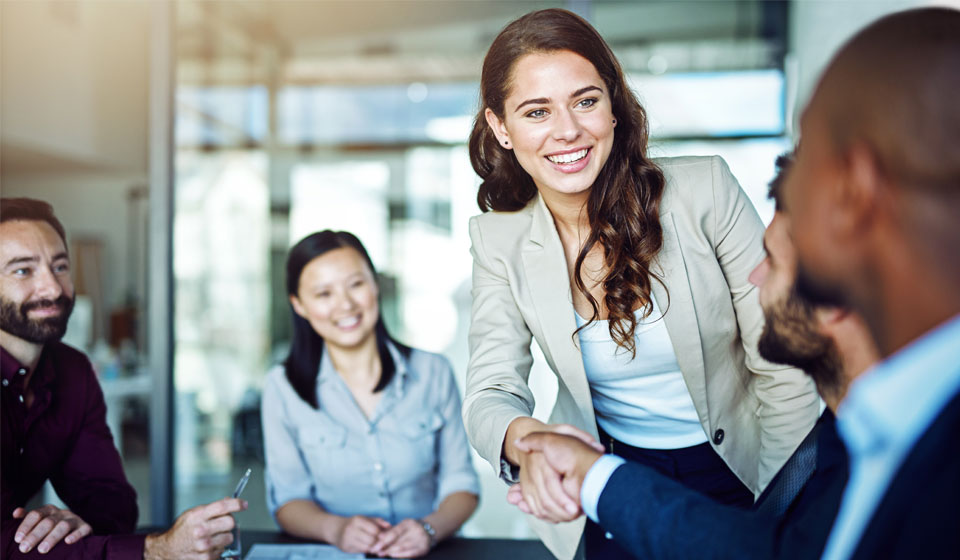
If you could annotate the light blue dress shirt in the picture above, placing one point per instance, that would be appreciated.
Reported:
(399, 464)
(884, 414)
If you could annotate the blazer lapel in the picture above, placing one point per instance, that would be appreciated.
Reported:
(681, 315)
(546, 271)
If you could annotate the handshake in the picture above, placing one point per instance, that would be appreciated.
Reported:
(553, 461)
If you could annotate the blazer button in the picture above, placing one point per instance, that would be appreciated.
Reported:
(718, 437)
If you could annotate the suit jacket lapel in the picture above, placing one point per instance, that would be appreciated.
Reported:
(681, 315)
(546, 271)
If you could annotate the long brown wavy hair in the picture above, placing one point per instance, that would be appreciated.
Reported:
(623, 206)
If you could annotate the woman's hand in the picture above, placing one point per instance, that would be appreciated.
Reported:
(358, 534)
(407, 539)
(540, 484)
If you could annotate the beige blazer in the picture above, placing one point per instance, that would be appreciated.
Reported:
(712, 239)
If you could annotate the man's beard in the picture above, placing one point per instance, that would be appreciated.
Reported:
(790, 337)
(14, 319)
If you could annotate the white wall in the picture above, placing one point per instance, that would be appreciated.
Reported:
(74, 80)
(818, 28)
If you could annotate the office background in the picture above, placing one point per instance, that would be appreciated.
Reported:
(186, 145)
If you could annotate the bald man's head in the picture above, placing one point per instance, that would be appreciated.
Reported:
(896, 87)
(874, 192)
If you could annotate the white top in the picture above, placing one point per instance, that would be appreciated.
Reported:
(641, 401)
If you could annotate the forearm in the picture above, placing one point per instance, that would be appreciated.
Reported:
(453, 511)
(305, 519)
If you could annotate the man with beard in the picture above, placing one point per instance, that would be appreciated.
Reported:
(54, 419)
(655, 517)
(874, 199)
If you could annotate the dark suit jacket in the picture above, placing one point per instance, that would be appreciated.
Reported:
(654, 517)
(919, 516)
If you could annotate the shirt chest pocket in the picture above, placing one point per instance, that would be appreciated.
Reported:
(420, 435)
(324, 451)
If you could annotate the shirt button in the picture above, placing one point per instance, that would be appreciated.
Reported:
(21, 398)
(378, 467)
(718, 437)
(22, 371)
(21, 451)
(5, 382)
(608, 535)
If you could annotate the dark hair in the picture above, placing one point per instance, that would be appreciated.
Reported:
(624, 205)
(303, 361)
(33, 210)
(775, 188)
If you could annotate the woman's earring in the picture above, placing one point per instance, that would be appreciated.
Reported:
(614, 122)
(506, 143)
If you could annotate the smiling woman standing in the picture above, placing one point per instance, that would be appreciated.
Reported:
(630, 273)
(364, 442)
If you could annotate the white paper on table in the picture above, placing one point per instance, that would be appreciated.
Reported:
(299, 552)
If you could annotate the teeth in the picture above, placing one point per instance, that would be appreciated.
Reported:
(568, 158)
(348, 322)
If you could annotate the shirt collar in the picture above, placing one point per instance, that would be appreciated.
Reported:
(897, 400)
(12, 369)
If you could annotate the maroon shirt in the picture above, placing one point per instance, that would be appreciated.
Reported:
(64, 437)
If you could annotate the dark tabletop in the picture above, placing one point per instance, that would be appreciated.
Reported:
(455, 548)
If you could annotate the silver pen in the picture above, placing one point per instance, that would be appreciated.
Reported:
(242, 484)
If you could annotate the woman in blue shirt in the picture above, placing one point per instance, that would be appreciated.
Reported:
(365, 447)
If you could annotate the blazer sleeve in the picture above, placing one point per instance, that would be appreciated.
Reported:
(500, 359)
(789, 405)
(655, 517)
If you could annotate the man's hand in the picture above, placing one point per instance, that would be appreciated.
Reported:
(48, 525)
(358, 534)
(407, 539)
(540, 483)
(200, 533)
(567, 455)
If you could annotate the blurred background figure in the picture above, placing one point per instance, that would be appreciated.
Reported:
(364, 442)
(188, 145)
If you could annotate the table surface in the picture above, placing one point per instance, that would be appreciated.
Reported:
(455, 548)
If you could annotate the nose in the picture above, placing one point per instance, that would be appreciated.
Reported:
(47, 284)
(759, 274)
(345, 301)
(566, 126)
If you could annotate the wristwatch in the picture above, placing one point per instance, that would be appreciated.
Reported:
(431, 532)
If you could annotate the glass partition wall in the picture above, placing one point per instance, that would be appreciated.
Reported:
(283, 130)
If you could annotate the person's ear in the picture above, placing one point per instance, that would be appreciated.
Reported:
(297, 306)
(499, 129)
(861, 189)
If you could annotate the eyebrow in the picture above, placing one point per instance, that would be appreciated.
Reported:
(544, 100)
(21, 260)
(30, 260)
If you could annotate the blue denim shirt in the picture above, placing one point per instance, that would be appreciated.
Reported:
(399, 464)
